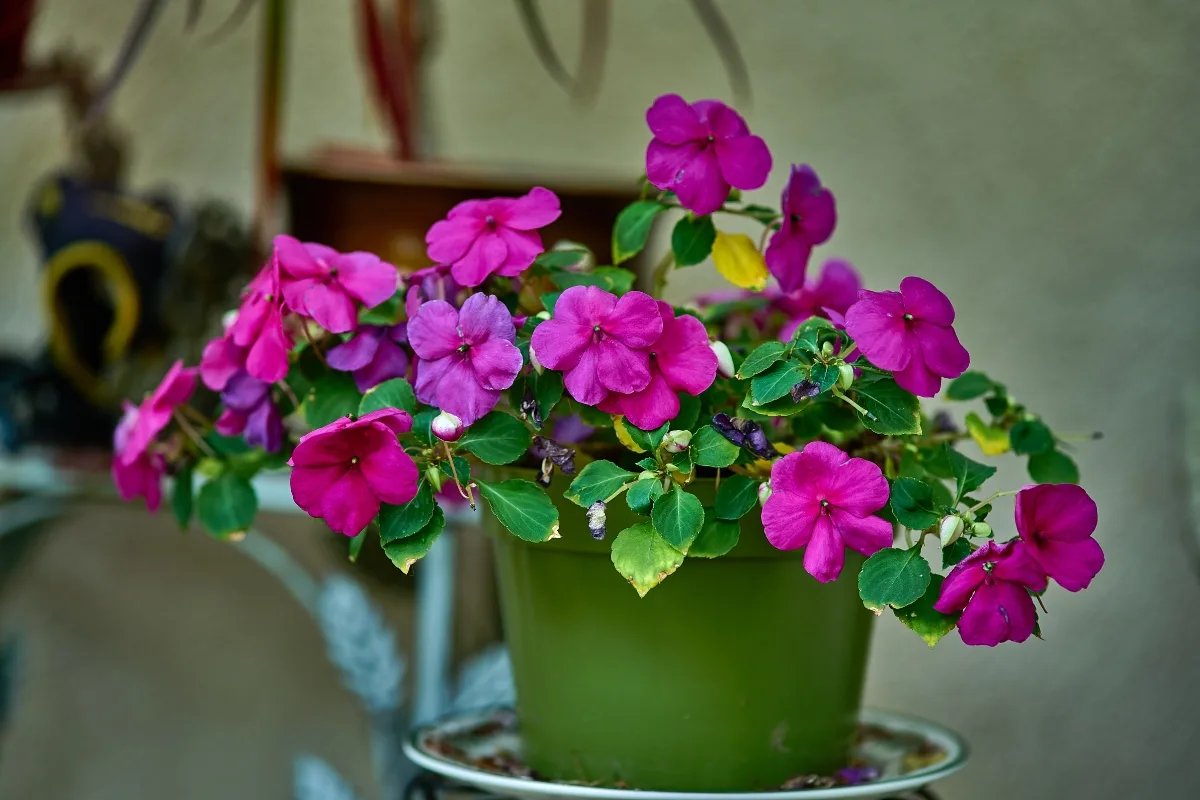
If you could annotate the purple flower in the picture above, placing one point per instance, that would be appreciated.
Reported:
(700, 150)
(374, 354)
(220, 361)
(680, 361)
(829, 296)
(809, 216)
(325, 285)
(466, 357)
(596, 340)
(824, 501)
(499, 236)
(909, 333)
(992, 585)
(250, 411)
(1056, 522)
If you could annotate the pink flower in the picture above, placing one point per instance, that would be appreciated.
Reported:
(700, 150)
(374, 355)
(680, 361)
(809, 216)
(466, 357)
(909, 333)
(220, 361)
(1056, 522)
(596, 341)
(137, 471)
(342, 472)
(250, 411)
(499, 236)
(829, 296)
(993, 585)
(321, 283)
(259, 327)
(825, 501)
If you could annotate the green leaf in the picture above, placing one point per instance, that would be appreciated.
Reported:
(560, 259)
(547, 390)
(421, 423)
(395, 393)
(912, 504)
(692, 240)
(824, 375)
(523, 508)
(1053, 467)
(736, 496)
(461, 466)
(356, 546)
(632, 228)
(992, 440)
(678, 516)
(998, 405)
(643, 557)
(397, 522)
(226, 505)
(968, 386)
(895, 412)
(763, 357)
(181, 496)
(1031, 436)
(893, 577)
(332, 396)
(642, 495)
(761, 213)
(620, 279)
(411, 549)
(689, 412)
(549, 301)
(968, 475)
(386, 313)
(956, 552)
(776, 382)
(496, 439)
(647, 440)
(921, 618)
(711, 449)
(599, 480)
(717, 536)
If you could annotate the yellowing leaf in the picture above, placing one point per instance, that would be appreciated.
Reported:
(623, 435)
(762, 466)
(991, 440)
(738, 261)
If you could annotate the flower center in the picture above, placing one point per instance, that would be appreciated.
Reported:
(490, 222)
(464, 347)
(824, 504)
(711, 138)
(354, 460)
(908, 317)
(794, 219)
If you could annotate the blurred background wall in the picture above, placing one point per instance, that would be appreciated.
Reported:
(1037, 161)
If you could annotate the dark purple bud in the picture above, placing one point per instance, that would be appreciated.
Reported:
(744, 433)
(595, 519)
(944, 423)
(758, 443)
(555, 453)
(529, 408)
(803, 389)
(726, 427)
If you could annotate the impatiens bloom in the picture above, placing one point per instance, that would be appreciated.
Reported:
(220, 361)
(342, 472)
(259, 326)
(909, 333)
(249, 410)
(700, 150)
(829, 296)
(325, 285)
(1057, 521)
(992, 585)
(825, 501)
(137, 471)
(596, 341)
(466, 357)
(374, 354)
(499, 236)
(809, 216)
(680, 361)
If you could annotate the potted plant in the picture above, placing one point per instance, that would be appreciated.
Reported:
(764, 454)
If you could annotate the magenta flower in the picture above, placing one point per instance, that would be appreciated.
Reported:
(250, 412)
(259, 329)
(809, 217)
(1056, 522)
(681, 360)
(325, 285)
(909, 333)
(992, 585)
(466, 357)
(136, 470)
(701, 150)
(825, 501)
(829, 296)
(374, 355)
(596, 341)
(342, 472)
(499, 236)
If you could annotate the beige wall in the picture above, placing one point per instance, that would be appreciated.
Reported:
(1036, 160)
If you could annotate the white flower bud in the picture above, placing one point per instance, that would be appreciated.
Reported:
(447, 427)
(950, 529)
(676, 441)
(542, 315)
(764, 493)
(724, 359)
(435, 477)
(228, 318)
(981, 529)
(845, 376)
(533, 360)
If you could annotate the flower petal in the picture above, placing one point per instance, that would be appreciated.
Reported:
(857, 486)
(924, 301)
(621, 369)
(683, 355)
(230, 423)
(397, 420)
(264, 427)
(1055, 511)
(787, 257)
(295, 260)
(666, 162)
(959, 585)
(876, 323)
(483, 317)
(587, 306)
(582, 381)
(433, 331)
(745, 161)
(825, 554)
(366, 278)
(536, 209)
(984, 622)
(332, 309)
(348, 504)
(673, 121)
(649, 408)
(390, 472)
(448, 240)
(1071, 564)
(390, 361)
(220, 361)
(483, 257)
(309, 484)
(268, 357)
(788, 518)
(837, 286)
(720, 120)
(635, 320)
(356, 352)
(496, 363)
(866, 535)
(943, 354)
(917, 378)
(818, 216)
(523, 248)
(699, 185)
(559, 345)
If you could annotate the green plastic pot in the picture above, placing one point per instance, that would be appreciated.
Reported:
(734, 674)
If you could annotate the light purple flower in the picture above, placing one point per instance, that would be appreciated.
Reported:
(909, 334)
(467, 357)
(325, 285)
(596, 341)
(373, 354)
(250, 412)
(680, 361)
(809, 217)
(1056, 522)
(701, 150)
(829, 296)
(825, 501)
(499, 236)
(992, 585)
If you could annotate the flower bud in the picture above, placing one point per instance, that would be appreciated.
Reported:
(950, 529)
(845, 376)
(542, 315)
(647, 475)
(764, 493)
(981, 529)
(435, 477)
(596, 519)
(447, 427)
(803, 390)
(724, 359)
(676, 441)
(533, 360)
(827, 349)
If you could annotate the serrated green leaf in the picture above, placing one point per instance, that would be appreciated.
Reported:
(1053, 467)
(893, 577)
(642, 495)
(736, 495)
(912, 504)
(631, 230)
(523, 508)
(599, 480)
(923, 619)
(717, 536)
(969, 386)
(395, 393)
(956, 552)
(647, 440)
(547, 391)
(397, 522)
(181, 496)
(643, 557)
(226, 505)
(497, 439)
(411, 549)
(1031, 436)
(968, 475)
(894, 411)
(561, 259)
(692, 240)
(332, 396)
(762, 359)
(711, 449)
(421, 425)
(992, 440)
(678, 516)
(549, 301)
(775, 383)
(689, 413)
(824, 375)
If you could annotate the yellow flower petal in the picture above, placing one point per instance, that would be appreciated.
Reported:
(738, 260)
(991, 440)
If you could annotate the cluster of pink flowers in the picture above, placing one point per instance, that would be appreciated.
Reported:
(137, 468)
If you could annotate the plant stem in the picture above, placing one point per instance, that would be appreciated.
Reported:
(996, 496)
(852, 404)
(193, 434)
(908, 538)
(659, 280)
(313, 344)
(454, 472)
